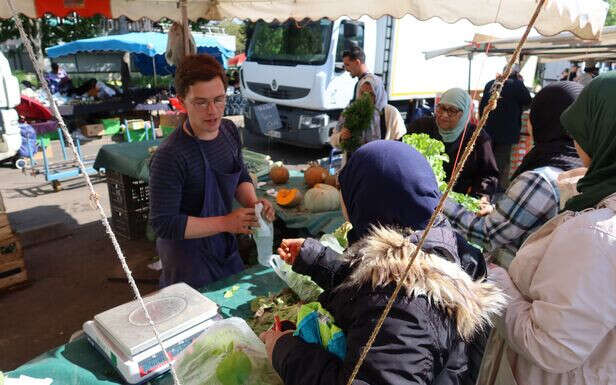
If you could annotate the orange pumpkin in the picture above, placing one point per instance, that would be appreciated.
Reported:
(288, 197)
(331, 180)
(314, 174)
(279, 174)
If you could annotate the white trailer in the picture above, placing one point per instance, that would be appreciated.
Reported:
(10, 135)
(296, 86)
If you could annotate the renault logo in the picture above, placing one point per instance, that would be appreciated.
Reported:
(274, 85)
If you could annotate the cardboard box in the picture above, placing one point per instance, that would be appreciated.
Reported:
(93, 129)
(171, 120)
(135, 124)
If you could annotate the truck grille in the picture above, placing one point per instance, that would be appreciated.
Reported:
(283, 92)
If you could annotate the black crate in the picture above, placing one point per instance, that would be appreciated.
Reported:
(129, 224)
(127, 193)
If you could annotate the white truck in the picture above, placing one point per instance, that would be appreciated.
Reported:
(10, 97)
(296, 85)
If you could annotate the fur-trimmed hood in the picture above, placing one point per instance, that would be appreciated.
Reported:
(380, 259)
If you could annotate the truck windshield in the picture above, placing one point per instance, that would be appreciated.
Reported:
(290, 42)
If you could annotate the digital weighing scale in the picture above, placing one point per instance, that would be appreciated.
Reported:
(125, 338)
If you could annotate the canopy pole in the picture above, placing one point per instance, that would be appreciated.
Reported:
(495, 94)
(470, 67)
(184, 10)
(154, 70)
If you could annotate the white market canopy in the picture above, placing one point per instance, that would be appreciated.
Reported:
(583, 18)
(564, 46)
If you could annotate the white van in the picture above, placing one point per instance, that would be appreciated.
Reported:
(10, 135)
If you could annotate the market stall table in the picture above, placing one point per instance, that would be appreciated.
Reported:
(132, 159)
(78, 363)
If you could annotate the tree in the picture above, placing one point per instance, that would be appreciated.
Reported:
(611, 14)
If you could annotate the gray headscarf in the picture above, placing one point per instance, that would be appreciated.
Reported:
(380, 102)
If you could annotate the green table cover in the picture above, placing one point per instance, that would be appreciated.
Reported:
(78, 363)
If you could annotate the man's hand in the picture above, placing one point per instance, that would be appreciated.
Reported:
(241, 221)
(345, 134)
(268, 210)
(289, 249)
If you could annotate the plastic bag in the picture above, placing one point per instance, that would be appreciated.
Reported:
(227, 353)
(264, 237)
(302, 285)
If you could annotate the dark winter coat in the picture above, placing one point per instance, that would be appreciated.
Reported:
(424, 338)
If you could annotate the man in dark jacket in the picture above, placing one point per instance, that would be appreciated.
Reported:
(505, 122)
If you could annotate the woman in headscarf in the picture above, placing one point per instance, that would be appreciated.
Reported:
(444, 301)
(560, 325)
(387, 123)
(451, 125)
(533, 197)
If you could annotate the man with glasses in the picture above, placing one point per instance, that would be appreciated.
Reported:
(195, 175)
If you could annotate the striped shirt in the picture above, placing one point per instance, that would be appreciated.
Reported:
(530, 201)
(177, 177)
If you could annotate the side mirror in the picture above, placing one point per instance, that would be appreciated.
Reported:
(338, 67)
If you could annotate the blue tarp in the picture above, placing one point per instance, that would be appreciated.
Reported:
(144, 46)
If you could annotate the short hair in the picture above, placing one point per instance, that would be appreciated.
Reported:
(355, 53)
(197, 68)
(54, 66)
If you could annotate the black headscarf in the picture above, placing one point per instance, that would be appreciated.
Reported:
(388, 183)
(553, 145)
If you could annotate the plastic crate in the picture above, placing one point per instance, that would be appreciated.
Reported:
(112, 126)
(129, 224)
(127, 193)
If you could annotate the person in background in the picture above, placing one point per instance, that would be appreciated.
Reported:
(533, 196)
(354, 62)
(505, 122)
(590, 72)
(573, 72)
(58, 79)
(560, 324)
(565, 75)
(442, 305)
(387, 122)
(195, 175)
(451, 125)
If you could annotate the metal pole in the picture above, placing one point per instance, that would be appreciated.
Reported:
(154, 70)
(470, 67)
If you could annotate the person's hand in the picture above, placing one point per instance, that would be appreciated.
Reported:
(241, 221)
(485, 207)
(268, 210)
(345, 134)
(289, 249)
(269, 338)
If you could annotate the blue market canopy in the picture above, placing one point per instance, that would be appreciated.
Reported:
(144, 46)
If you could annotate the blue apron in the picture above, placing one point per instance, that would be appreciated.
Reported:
(201, 261)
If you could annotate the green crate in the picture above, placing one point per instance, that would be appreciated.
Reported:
(112, 126)
(47, 137)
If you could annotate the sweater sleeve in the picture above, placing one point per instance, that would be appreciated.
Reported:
(322, 264)
(166, 183)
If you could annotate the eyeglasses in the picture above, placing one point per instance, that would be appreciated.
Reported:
(451, 111)
(204, 104)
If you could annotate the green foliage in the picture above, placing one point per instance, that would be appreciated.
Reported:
(235, 367)
(357, 118)
(434, 151)
(341, 234)
(611, 14)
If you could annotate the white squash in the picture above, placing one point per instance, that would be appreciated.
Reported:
(322, 197)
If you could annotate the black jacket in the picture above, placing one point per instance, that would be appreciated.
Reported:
(421, 342)
(480, 174)
(505, 122)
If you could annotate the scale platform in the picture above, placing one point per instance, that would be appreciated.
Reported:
(124, 337)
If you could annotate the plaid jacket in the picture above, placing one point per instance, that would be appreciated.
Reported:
(531, 200)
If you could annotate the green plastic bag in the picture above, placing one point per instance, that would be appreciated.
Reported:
(227, 353)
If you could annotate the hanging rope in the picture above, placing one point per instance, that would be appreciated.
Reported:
(496, 90)
(94, 197)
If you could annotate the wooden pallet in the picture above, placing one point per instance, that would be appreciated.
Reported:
(12, 267)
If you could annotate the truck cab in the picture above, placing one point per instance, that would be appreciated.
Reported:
(10, 135)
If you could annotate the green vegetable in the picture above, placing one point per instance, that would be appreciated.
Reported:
(341, 234)
(285, 305)
(235, 367)
(357, 118)
(434, 151)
